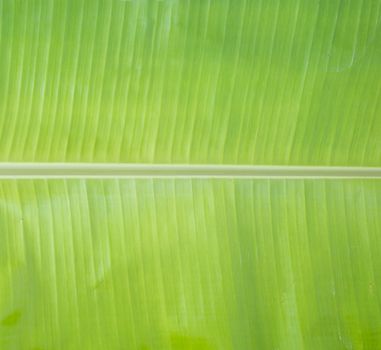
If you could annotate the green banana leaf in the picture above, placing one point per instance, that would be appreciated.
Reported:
(190, 264)
(185, 263)
(191, 81)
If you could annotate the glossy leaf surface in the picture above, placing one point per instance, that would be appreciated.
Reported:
(190, 264)
(237, 82)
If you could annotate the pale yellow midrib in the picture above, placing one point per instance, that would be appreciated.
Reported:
(91, 170)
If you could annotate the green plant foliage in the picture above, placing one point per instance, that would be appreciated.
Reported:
(190, 264)
(236, 82)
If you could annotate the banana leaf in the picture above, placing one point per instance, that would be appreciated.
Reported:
(285, 82)
(190, 264)
(185, 263)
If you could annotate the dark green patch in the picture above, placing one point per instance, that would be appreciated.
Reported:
(11, 319)
(185, 342)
